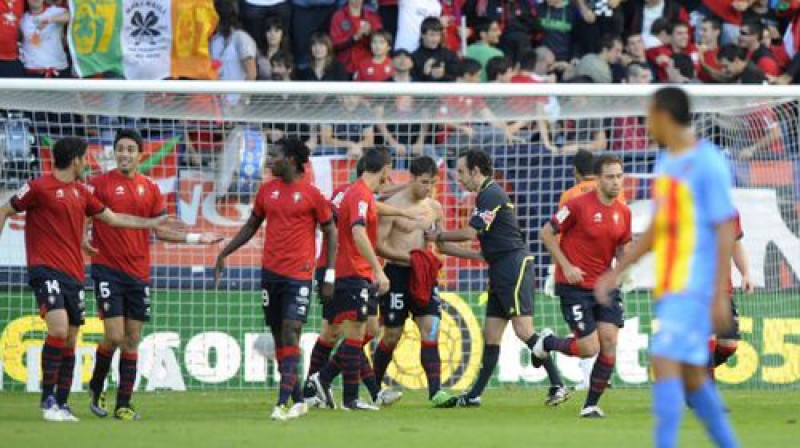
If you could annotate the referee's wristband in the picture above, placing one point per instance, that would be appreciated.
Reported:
(330, 276)
(192, 238)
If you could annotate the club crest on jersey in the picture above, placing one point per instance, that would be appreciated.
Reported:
(119, 191)
(616, 218)
(297, 196)
(598, 217)
(275, 194)
(75, 192)
(59, 194)
(140, 190)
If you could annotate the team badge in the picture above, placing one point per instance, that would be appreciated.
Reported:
(140, 189)
(598, 217)
(51, 300)
(59, 194)
(297, 197)
(275, 194)
(120, 190)
(75, 192)
(616, 218)
(562, 214)
(487, 216)
(304, 291)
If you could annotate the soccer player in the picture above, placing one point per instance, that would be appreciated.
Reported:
(400, 239)
(692, 237)
(293, 208)
(511, 282)
(330, 331)
(357, 269)
(56, 207)
(725, 344)
(594, 229)
(121, 269)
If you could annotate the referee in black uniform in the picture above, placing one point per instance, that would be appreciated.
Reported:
(511, 279)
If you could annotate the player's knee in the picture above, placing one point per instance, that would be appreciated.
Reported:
(58, 331)
(391, 336)
(330, 334)
(115, 339)
(130, 343)
(290, 336)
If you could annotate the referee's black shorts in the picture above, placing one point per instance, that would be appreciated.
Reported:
(511, 286)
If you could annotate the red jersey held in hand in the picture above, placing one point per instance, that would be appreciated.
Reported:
(55, 222)
(358, 207)
(126, 250)
(591, 232)
(292, 212)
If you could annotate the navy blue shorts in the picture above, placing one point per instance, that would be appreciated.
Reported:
(55, 290)
(354, 299)
(511, 286)
(397, 304)
(284, 298)
(120, 295)
(582, 312)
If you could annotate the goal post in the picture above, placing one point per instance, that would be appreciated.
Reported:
(205, 144)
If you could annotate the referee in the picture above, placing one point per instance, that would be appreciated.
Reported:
(511, 280)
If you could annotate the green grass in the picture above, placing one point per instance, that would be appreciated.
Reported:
(509, 418)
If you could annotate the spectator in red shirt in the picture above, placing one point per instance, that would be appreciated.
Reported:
(379, 67)
(750, 39)
(729, 12)
(351, 28)
(710, 70)
(10, 16)
(680, 43)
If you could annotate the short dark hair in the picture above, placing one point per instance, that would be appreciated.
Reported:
(431, 24)
(480, 159)
(387, 36)
(675, 102)
(527, 60)
(608, 40)
(423, 165)
(360, 166)
(496, 66)
(583, 162)
(68, 149)
(660, 25)
(482, 25)
(715, 22)
(603, 160)
(283, 58)
(677, 24)
(131, 135)
(755, 26)
(732, 52)
(295, 149)
(468, 66)
(402, 52)
(375, 159)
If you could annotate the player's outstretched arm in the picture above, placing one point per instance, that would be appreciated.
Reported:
(611, 279)
(332, 239)
(179, 236)
(454, 236)
(548, 236)
(5, 211)
(240, 239)
(742, 265)
(721, 308)
(365, 248)
(452, 249)
(129, 221)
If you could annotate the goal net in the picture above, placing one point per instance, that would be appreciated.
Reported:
(205, 145)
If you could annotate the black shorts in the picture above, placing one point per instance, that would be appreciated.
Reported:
(120, 295)
(397, 303)
(582, 312)
(284, 298)
(733, 334)
(329, 309)
(55, 290)
(511, 286)
(353, 299)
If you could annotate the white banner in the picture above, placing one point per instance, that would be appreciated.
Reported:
(146, 39)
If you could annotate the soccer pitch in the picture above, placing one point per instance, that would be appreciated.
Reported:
(510, 417)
